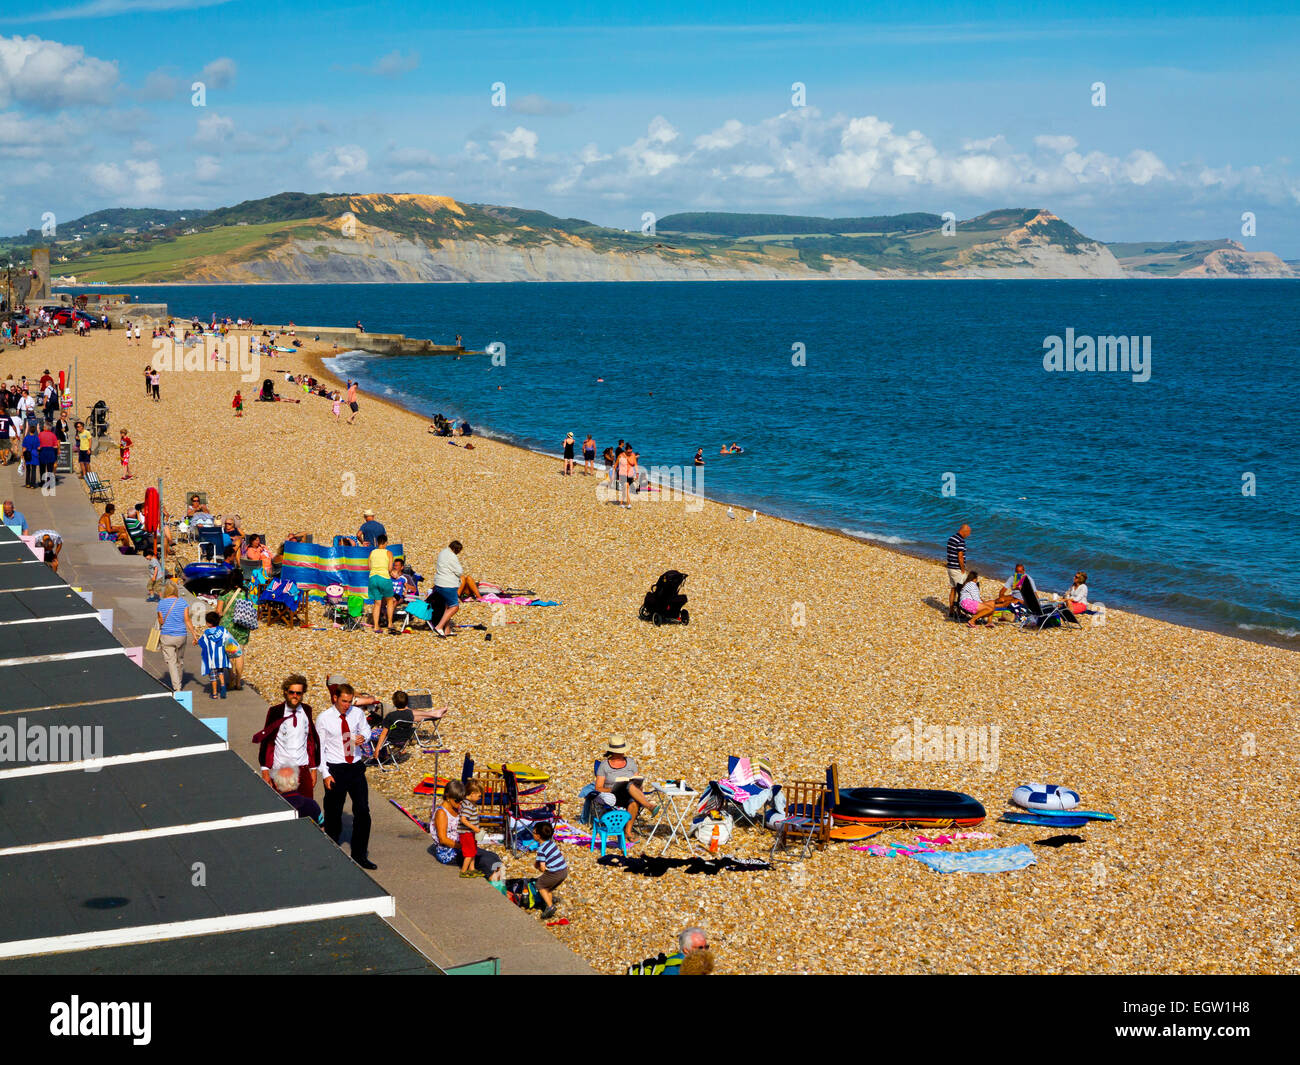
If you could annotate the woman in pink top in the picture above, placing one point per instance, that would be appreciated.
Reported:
(621, 478)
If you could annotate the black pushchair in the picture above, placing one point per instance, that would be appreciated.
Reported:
(664, 604)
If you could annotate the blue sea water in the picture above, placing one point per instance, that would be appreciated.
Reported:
(907, 387)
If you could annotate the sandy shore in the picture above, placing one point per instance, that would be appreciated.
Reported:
(1188, 736)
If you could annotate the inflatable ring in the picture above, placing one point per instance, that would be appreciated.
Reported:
(1045, 797)
(912, 806)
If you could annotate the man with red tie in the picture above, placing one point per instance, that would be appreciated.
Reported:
(289, 737)
(342, 729)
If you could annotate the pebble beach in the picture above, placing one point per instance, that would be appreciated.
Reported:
(805, 648)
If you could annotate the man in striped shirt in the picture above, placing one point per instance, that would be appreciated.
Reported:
(552, 864)
(956, 565)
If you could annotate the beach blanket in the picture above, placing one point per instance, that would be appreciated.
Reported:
(996, 860)
(314, 567)
(509, 600)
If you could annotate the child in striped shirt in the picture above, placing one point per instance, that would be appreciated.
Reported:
(469, 829)
(554, 868)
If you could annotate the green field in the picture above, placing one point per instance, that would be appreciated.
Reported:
(174, 260)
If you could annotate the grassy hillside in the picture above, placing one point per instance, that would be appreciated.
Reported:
(177, 258)
(1166, 259)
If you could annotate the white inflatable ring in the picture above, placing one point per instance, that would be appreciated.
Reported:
(1045, 797)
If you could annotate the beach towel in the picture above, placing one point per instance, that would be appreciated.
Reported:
(996, 860)
(212, 649)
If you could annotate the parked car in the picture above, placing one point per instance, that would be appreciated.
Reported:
(21, 321)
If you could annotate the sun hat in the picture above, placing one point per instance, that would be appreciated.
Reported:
(617, 744)
(367, 513)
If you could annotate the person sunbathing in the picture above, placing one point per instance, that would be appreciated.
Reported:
(110, 532)
(1007, 595)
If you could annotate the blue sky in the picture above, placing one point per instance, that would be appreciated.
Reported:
(613, 110)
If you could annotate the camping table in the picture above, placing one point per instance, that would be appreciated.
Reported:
(678, 804)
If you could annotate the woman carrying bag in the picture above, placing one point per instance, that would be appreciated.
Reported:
(174, 631)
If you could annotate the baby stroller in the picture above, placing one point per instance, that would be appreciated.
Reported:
(664, 604)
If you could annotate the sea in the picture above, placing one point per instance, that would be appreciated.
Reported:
(895, 411)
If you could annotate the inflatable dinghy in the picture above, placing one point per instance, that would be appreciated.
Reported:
(906, 806)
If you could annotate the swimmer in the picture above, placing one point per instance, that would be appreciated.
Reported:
(699, 457)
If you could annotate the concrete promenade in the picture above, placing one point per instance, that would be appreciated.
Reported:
(453, 921)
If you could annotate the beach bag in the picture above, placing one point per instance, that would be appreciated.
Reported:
(245, 614)
(522, 891)
(724, 823)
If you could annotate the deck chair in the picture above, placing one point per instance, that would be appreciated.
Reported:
(427, 732)
(493, 804)
(1043, 615)
(745, 792)
(351, 615)
(526, 813)
(211, 544)
(99, 491)
(399, 738)
(808, 814)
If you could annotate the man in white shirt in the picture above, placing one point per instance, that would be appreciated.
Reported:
(26, 406)
(290, 738)
(342, 729)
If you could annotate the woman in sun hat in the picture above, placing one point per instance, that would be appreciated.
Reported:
(568, 455)
(619, 782)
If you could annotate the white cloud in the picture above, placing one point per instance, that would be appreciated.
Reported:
(394, 64)
(335, 164)
(1061, 144)
(219, 73)
(532, 104)
(207, 168)
(161, 84)
(110, 8)
(132, 181)
(48, 75)
(213, 129)
(519, 143)
(1143, 167)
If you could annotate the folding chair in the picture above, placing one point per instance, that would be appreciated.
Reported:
(413, 608)
(427, 731)
(1040, 615)
(808, 814)
(526, 815)
(99, 491)
(399, 738)
(211, 543)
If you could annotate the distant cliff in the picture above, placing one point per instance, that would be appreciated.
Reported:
(316, 239)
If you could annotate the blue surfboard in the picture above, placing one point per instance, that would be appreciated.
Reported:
(1060, 820)
(1091, 815)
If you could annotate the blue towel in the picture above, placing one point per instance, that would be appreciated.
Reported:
(996, 860)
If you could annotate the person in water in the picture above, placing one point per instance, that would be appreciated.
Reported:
(699, 456)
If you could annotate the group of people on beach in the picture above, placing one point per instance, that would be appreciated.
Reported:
(966, 599)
